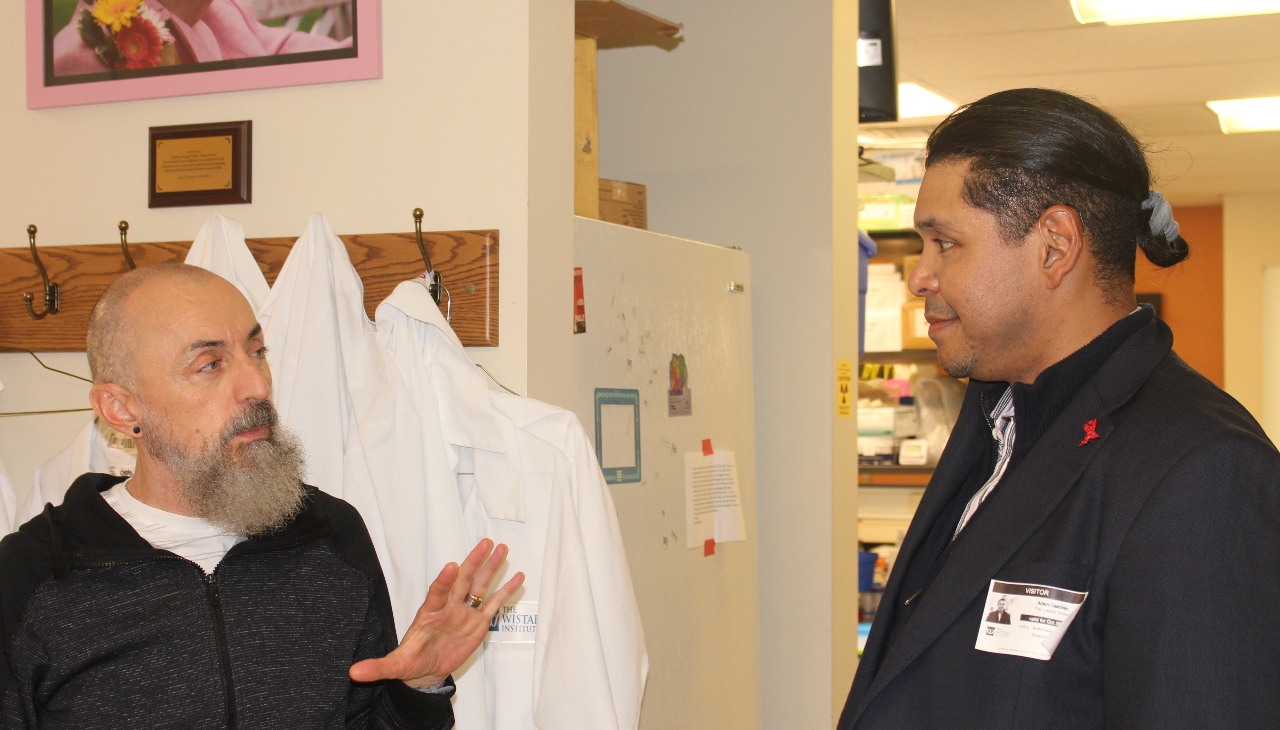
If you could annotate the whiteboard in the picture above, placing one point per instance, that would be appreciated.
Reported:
(649, 297)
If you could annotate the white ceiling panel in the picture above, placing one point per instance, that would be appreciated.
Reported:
(1155, 77)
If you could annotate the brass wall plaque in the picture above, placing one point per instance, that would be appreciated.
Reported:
(200, 164)
(195, 163)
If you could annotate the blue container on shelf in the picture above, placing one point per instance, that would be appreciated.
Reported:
(866, 570)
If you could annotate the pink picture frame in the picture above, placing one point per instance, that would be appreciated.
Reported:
(363, 60)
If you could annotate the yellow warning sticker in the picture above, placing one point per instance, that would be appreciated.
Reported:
(844, 388)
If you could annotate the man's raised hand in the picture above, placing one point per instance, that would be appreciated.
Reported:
(446, 630)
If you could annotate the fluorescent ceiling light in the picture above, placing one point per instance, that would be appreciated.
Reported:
(1129, 12)
(1248, 115)
(916, 101)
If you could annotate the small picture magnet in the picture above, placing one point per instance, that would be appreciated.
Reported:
(679, 397)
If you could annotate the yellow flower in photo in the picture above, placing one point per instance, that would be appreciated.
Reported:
(115, 14)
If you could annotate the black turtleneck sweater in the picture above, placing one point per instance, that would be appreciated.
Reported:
(1036, 406)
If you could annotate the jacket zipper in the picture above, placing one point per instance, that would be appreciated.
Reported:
(219, 629)
(224, 654)
(114, 563)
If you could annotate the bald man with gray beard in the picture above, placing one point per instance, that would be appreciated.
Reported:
(214, 589)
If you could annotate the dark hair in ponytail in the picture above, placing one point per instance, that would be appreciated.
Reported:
(1158, 249)
(1030, 149)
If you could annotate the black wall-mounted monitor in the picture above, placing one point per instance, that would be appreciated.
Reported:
(877, 67)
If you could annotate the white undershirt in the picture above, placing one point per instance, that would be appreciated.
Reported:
(197, 540)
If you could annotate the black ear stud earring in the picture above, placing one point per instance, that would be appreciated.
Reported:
(136, 430)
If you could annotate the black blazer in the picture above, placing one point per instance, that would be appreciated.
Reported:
(1171, 515)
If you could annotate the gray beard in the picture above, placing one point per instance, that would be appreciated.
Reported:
(252, 489)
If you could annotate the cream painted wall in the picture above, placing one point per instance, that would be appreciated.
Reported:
(468, 122)
(732, 133)
(844, 340)
(549, 342)
(1249, 245)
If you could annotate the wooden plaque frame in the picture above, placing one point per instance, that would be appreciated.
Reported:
(241, 190)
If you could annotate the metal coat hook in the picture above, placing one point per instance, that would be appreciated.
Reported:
(124, 243)
(422, 247)
(51, 295)
(435, 286)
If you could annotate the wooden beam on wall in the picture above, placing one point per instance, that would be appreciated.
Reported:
(467, 262)
(586, 128)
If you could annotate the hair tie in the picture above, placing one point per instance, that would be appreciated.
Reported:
(1162, 222)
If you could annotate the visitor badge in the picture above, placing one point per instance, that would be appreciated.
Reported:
(514, 623)
(1025, 619)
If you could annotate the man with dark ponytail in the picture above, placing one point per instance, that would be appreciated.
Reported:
(1103, 490)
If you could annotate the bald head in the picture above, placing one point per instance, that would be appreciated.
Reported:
(121, 315)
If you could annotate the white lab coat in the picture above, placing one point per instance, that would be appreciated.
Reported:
(97, 448)
(220, 248)
(8, 503)
(452, 401)
(337, 388)
(521, 474)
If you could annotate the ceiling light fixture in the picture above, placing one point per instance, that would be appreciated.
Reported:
(916, 101)
(1130, 12)
(1247, 115)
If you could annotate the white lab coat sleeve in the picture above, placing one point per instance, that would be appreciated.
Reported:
(571, 685)
(611, 588)
(220, 248)
(8, 503)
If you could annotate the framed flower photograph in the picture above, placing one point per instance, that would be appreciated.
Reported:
(94, 51)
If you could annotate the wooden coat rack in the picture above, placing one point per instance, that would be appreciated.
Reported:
(467, 262)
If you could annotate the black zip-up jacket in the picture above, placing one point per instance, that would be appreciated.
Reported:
(101, 630)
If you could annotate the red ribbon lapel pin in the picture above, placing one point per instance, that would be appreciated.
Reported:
(1090, 431)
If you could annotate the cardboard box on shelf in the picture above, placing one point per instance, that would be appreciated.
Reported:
(885, 296)
(915, 330)
(908, 263)
(624, 203)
